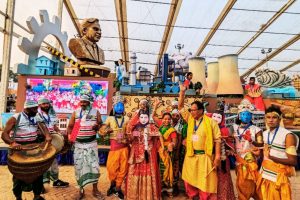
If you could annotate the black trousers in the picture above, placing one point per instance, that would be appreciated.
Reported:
(19, 186)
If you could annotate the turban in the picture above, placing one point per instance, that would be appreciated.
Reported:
(85, 98)
(30, 104)
(43, 100)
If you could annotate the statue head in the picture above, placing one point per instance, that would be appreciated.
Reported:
(90, 29)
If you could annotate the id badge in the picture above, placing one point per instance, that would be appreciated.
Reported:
(195, 138)
(120, 134)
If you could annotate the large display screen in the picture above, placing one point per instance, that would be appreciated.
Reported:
(65, 94)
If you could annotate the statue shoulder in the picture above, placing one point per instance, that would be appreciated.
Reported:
(75, 41)
(75, 46)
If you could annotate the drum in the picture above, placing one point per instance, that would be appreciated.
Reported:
(32, 161)
(58, 141)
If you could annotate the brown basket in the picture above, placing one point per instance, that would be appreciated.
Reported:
(28, 167)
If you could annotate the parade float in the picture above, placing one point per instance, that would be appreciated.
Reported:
(63, 79)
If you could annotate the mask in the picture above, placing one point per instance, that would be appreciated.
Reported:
(119, 108)
(217, 117)
(144, 119)
(245, 117)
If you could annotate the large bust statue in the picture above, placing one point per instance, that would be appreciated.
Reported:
(85, 48)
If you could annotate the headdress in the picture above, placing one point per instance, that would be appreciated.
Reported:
(245, 105)
(117, 98)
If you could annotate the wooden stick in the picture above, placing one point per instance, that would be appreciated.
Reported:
(212, 169)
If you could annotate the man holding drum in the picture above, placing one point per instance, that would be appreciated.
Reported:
(48, 115)
(25, 127)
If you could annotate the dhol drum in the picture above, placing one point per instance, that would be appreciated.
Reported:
(31, 161)
(58, 141)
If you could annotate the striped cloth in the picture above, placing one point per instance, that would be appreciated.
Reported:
(87, 119)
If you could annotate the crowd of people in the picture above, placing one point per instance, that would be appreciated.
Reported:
(151, 155)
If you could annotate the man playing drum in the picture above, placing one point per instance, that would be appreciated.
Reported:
(25, 127)
(48, 115)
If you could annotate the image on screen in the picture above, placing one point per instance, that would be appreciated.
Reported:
(65, 94)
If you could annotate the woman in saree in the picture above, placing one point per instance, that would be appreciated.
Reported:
(168, 139)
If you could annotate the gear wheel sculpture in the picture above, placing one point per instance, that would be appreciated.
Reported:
(39, 32)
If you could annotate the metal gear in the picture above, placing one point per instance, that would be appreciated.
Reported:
(39, 32)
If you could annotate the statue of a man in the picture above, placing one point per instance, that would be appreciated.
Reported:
(85, 48)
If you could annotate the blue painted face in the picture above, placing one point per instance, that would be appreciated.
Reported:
(245, 117)
(119, 108)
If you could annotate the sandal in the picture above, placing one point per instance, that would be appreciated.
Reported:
(81, 195)
(98, 195)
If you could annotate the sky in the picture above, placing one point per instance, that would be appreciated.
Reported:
(146, 25)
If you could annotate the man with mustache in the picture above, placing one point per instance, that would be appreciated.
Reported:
(25, 127)
(82, 128)
(48, 115)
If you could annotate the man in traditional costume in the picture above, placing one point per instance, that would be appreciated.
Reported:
(82, 128)
(25, 127)
(117, 161)
(48, 115)
(200, 163)
(280, 157)
(254, 94)
(247, 140)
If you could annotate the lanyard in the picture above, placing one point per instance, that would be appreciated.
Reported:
(30, 119)
(241, 135)
(270, 143)
(80, 115)
(122, 122)
(47, 120)
(195, 126)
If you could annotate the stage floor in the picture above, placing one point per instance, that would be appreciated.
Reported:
(67, 174)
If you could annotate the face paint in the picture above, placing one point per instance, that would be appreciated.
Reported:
(245, 117)
(217, 117)
(144, 119)
(119, 108)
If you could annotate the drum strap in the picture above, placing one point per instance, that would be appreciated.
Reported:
(16, 126)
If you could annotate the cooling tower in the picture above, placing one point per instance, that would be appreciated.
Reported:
(197, 67)
(212, 77)
(229, 78)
